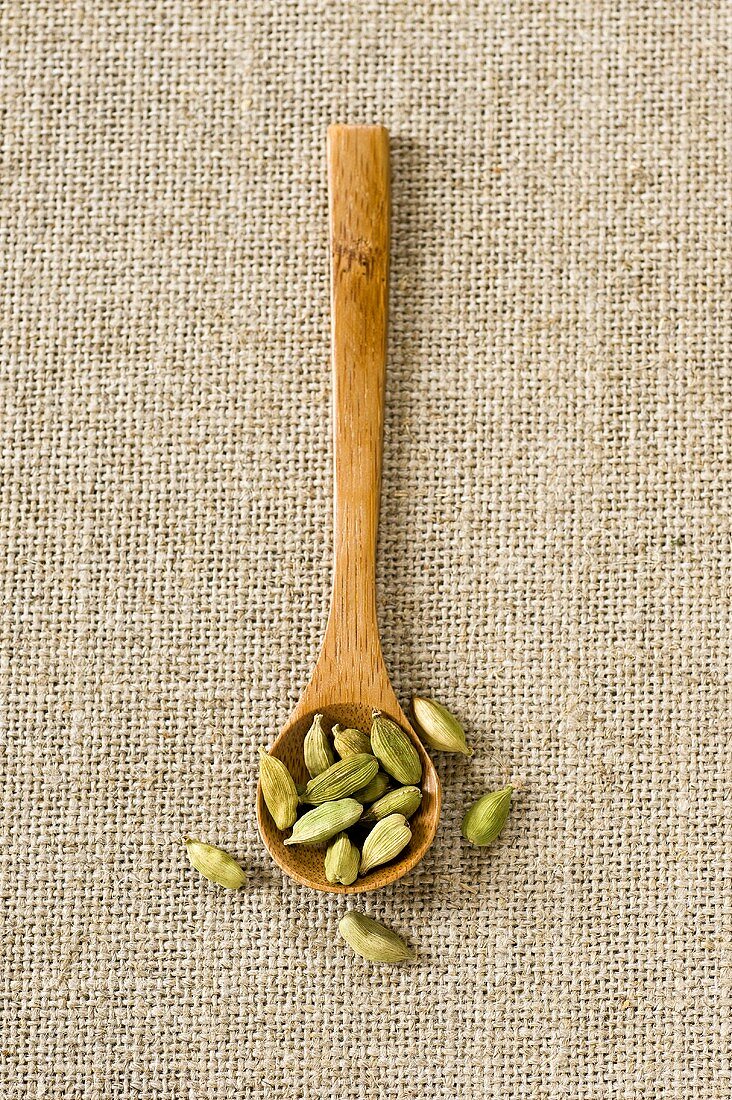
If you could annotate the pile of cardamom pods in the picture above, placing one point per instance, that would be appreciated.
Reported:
(353, 792)
(369, 784)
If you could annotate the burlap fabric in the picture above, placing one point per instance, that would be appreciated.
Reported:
(554, 556)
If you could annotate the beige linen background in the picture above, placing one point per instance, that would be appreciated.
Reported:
(554, 552)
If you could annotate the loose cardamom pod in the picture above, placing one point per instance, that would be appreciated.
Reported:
(316, 748)
(350, 742)
(342, 860)
(215, 864)
(486, 817)
(372, 940)
(403, 800)
(439, 729)
(325, 821)
(384, 842)
(395, 752)
(342, 779)
(278, 789)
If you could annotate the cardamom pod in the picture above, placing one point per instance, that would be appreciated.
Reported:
(372, 940)
(325, 821)
(486, 817)
(403, 800)
(215, 864)
(378, 786)
(316, 748)
(342, 860)
(342, 779)
(394, 751)
(384, 842)
(439, 729)
(350, 742)
(278, 789)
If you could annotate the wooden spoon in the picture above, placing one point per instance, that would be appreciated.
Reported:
(350, 679)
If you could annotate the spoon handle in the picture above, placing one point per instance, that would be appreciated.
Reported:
(358, 177)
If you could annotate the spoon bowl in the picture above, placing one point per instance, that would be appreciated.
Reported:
(350, 680)
(304, 863)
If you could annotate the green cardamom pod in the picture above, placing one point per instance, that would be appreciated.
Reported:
(486, 817)
(403, 800)
(378, 786)
(318, 754)
(342, 860)
(278, 789)
(384, 842)
(394, 751)
(372, 941)
(350, 742)
(342, 779)
(215, 864)
(439, 729)
(325, 821)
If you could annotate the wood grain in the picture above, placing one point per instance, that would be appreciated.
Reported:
(350, 661)
(350, 678)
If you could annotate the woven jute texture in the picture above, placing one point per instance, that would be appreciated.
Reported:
(554, 551)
